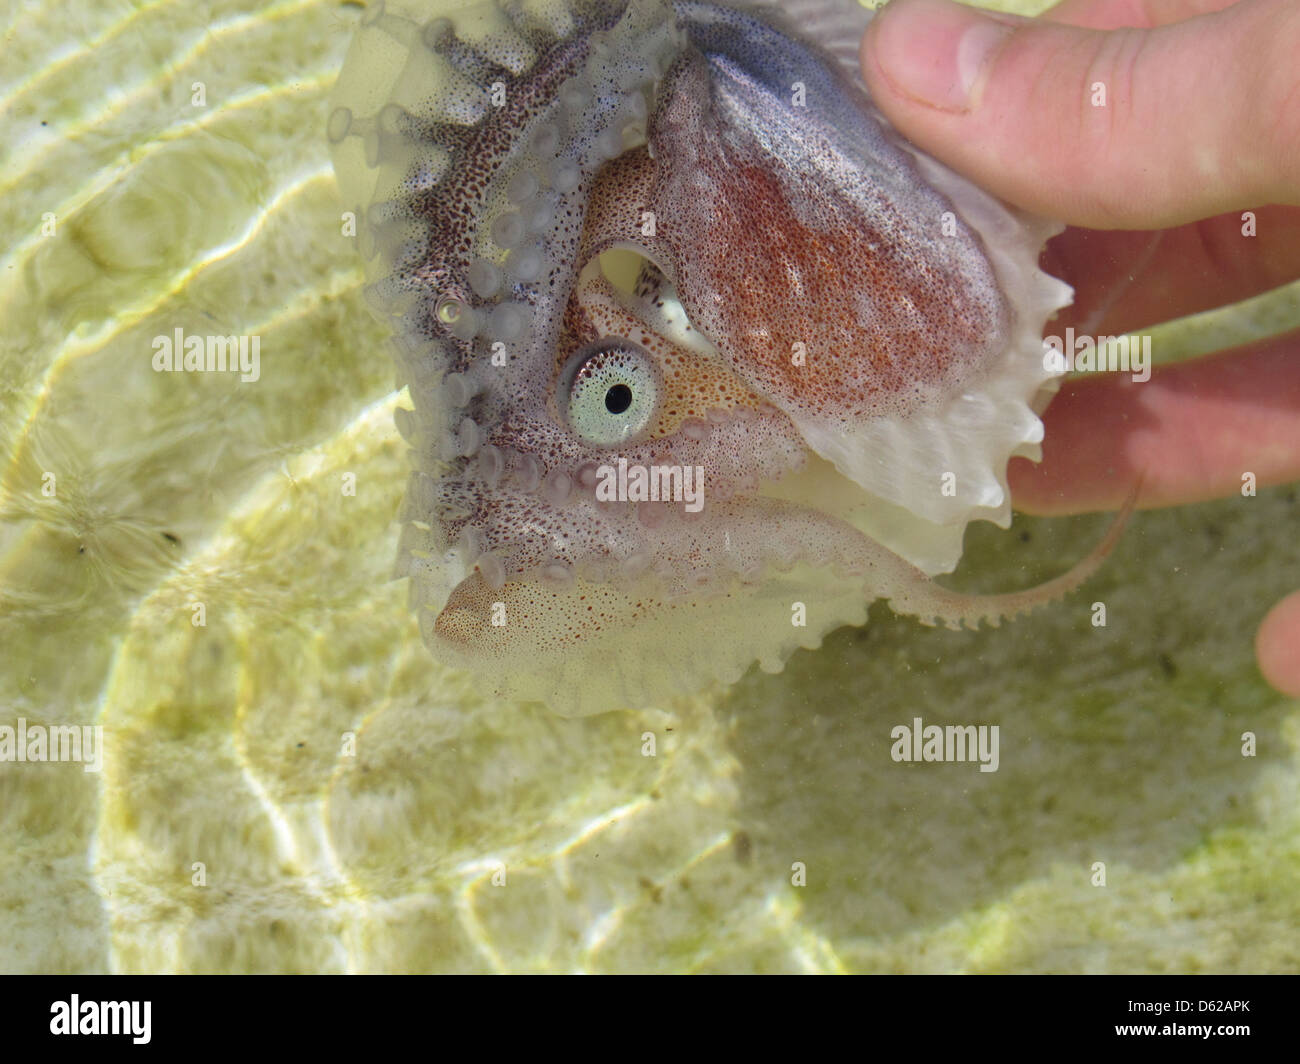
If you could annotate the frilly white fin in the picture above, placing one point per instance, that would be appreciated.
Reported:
(569, 649)
(566, 646)
(975, 433)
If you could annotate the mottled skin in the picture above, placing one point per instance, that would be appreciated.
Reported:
(683, 209)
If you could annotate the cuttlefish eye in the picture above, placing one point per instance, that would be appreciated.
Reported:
(609, 391)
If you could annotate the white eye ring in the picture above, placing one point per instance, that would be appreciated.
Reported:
(609, 391)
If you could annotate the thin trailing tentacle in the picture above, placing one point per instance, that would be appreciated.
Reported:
(931, 603)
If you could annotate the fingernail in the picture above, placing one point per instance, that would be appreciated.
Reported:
(935, 52)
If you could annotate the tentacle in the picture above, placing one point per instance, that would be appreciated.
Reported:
(931, 603)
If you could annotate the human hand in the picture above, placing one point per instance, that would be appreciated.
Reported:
(1199, 114)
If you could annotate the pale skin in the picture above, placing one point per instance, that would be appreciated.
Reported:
(1201, 123)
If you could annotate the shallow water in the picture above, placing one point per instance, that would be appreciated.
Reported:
(293, 785)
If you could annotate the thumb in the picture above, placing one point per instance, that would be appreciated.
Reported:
(1126, 128)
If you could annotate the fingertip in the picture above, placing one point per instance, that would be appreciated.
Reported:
(932, 52)
(1277, 646)
(1105, 129)
(956, 81)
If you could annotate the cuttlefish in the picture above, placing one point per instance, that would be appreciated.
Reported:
(703, 357)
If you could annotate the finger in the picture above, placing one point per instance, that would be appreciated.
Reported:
(1138, 278)
(1277, 646)
(1110, 14)
(1108, 130)
(1192, 432)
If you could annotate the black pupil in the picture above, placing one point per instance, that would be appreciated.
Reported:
(618, 399)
